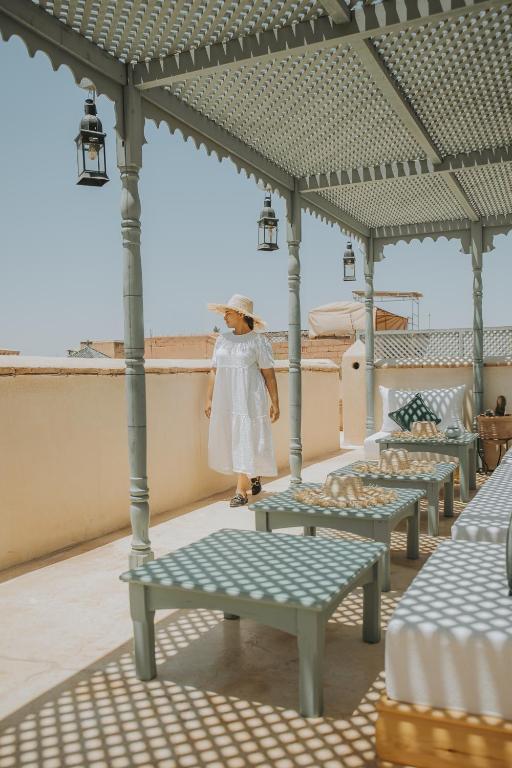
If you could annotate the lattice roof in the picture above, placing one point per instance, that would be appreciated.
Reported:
(278, 108)
(457, 74)
(393, 115)
(406, 201)
(134, 31)
(489, 189)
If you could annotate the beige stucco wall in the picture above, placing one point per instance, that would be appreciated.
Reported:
(497, 381)
(63, 443)
(353, 394)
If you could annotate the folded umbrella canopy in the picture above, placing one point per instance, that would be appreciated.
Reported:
(338, 319)
(347, 317)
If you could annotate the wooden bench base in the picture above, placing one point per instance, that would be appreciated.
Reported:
(422, 737)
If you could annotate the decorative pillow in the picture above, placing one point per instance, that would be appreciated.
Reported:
(415, 410)
(446, 402)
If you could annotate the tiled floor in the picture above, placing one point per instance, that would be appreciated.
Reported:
(226, 691)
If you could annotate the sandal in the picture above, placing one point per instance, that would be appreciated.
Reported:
(255, 485)
(238, 500)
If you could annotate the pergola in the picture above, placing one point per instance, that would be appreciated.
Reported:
(391, 120)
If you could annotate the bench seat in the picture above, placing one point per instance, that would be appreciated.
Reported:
(486, 517)
(449, 642)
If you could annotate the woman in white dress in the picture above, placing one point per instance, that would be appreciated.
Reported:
(242, 373)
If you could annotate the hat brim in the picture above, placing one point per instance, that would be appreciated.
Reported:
(222, 309)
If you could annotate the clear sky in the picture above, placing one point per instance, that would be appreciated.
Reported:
(60, 244)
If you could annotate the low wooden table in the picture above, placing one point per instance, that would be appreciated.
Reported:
(430, 482)
(288, 582)
(282, 510)
(463, 447)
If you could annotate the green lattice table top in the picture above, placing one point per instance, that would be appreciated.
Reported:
(464, 439)
(266, 567)
(285, 502)
(442, 471)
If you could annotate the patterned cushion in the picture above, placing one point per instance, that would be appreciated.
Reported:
(415, 410)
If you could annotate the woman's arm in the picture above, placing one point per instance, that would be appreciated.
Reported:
(209, 393)
(271, 383)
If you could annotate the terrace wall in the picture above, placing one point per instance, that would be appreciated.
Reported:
(197, 346)
(63, 443)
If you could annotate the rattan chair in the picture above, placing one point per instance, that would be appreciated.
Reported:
(495, 433)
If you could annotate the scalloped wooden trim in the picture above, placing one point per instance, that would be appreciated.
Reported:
(58, 57)
(156, 115)
(464, 236)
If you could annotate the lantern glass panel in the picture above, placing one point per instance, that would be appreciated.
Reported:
(91, 159)
(267, 234)
(349, 268)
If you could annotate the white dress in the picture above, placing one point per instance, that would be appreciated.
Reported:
(240, 439)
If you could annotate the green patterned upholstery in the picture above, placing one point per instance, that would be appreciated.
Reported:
(415, 410)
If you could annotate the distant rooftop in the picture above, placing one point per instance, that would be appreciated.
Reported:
(85, 351)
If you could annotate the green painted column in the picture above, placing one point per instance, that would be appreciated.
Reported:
(293, 221)
(478, 325)
(369, 335)
(130, 138)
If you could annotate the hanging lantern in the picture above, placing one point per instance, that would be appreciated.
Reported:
(267, 227)
(90, 148)
(349, 263)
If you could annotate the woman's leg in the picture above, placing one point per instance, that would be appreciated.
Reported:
(243, 484)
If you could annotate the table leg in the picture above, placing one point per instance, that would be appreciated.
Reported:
(382, 533)
(371, 606)
(311, 642)
(143, 632)
(448, 497)
(413, 533)
(262, 521)
(309, 530)
(433, 509)
(472, 467)
(464, 475)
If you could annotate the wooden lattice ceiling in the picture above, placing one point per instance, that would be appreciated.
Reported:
(386, 115)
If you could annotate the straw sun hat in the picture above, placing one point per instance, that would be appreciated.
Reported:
(240, 304)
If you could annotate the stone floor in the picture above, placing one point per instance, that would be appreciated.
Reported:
(226, 692)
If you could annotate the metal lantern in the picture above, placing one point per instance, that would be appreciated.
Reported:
(349, 263)
(90, 148)
(267, 227)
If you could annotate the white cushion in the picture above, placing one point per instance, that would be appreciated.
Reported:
(487, 516)
(445, 402)
(371, 447)
(449, 642)
(388, 425)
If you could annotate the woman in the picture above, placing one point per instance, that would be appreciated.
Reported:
(242, 372)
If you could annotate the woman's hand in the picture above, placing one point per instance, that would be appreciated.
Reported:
(209, 394)
(274, 412)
